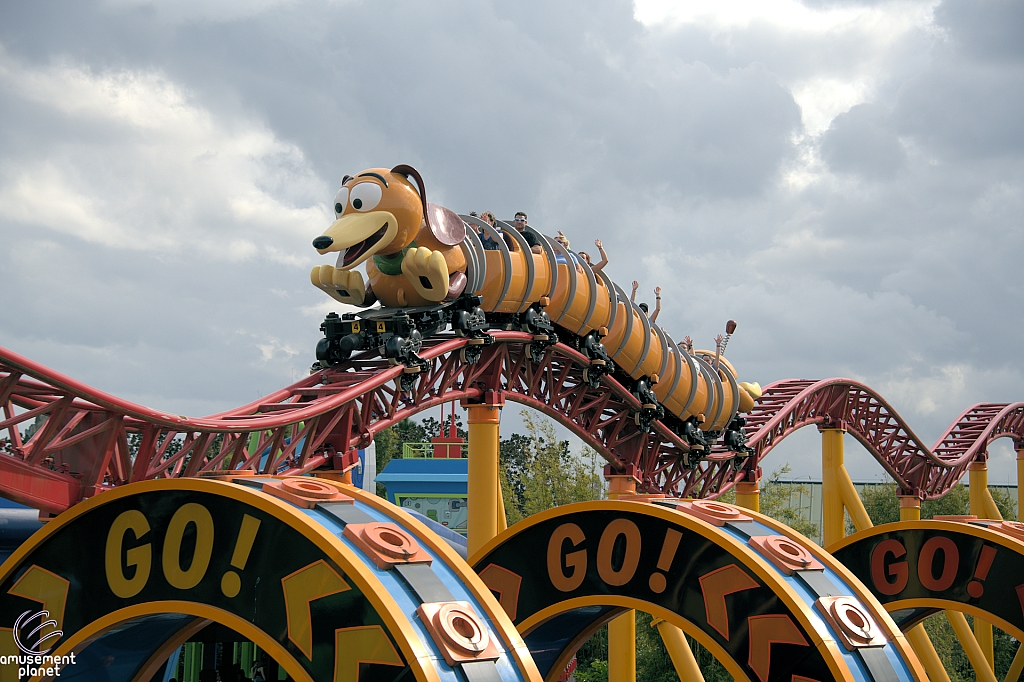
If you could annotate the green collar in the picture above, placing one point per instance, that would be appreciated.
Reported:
(392, 264)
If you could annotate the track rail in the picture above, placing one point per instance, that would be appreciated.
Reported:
(84, 447)
(846, 404)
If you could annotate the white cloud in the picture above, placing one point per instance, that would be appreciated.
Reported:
(170, 176)
(822, 98)
(41, 194)
(275, 350)
(914, 394)
(847, 49)
(726, 14)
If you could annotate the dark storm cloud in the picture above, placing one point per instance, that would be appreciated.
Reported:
(163, 168)
(992, 30)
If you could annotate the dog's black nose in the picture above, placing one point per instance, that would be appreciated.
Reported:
(322, 242)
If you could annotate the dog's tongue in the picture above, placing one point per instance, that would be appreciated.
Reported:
(341, 259)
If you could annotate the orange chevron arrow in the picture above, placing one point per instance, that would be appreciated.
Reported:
(776, 628)
(302, 587)
(506, 584)
(363, 644)
(715, 585)
(45, 587)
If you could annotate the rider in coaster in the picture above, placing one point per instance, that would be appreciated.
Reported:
(485, 238)
(520, 224)
(604, 257)
(564, 241)
(643, 306)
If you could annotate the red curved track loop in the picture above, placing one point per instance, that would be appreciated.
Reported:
(83, 446)
(789, 405)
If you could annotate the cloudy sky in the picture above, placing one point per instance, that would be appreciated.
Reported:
(845, 179)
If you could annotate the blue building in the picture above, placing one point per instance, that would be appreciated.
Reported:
(436, 487)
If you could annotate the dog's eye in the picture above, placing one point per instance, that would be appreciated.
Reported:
(340, 201)
(366, 196)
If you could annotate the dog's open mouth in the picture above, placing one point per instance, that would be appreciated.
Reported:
(350, 255)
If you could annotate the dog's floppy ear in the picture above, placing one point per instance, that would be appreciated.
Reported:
(410, 172)
(446, 226)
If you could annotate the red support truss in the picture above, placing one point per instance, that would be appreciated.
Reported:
(83, 446)
(789, 405)
(91, 441)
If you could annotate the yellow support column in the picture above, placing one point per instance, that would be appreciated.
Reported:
(502, 518)
(622, 648)
(978, 478)
(910, 508)
(979, 661)
(482, 489)
(925, 651)
(748, 494)
(679, 651)
(1020, 481)
(1016, 667)
(832, 510)
(852, 502)
(622, 629)
(982, 504)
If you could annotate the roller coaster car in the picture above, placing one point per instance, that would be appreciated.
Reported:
(430, 271)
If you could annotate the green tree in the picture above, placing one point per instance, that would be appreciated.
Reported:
(432, 427)
(514, 461)
(539, 472)
(592, 658)
(653, 664)
(881, 503)
(1005, 503)
(952, 655)
(775, 502)
(956, 502)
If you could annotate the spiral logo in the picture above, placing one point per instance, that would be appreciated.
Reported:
(25, 621)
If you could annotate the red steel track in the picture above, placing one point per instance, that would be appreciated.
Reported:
(791, 404)
(83, 446)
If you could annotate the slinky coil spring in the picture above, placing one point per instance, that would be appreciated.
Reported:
(582, 301)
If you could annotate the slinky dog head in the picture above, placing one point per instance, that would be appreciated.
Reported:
(376, 212)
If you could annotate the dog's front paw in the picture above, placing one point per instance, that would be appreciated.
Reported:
(345, 286)
(427, 271)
